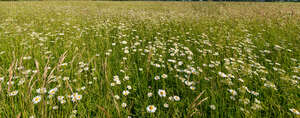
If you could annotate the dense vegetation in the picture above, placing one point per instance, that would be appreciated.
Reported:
(149, 59)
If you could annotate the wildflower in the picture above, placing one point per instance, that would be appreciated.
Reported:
(55, 107)
(124, 105)
(36, 99)
(52, 91)
(245, 101)
(232, 97)
(129, 87)
(164, 76)
(126, 51)
(13, 93)
(192, 87)
(176, 98)
(213, 107)
(171, 98)
(126, 78)
(270, 85)
(256, 106)
(50, 96)
(10, 83)
(151, 109)
(66, 78)
(76, 96)
(150, 94)
(256, 101)
(124, 42)
(126, 92)
(241, 80)
(233, 92)
(166, 105)
(162, 93)
(156, 77)
(21, 81)
(222, 74)
(63, 101)
(60, 98)
(41, 90)
(295, 111)
(83, 88)
(117, 97)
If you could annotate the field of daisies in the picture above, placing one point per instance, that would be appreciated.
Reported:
(149, 59)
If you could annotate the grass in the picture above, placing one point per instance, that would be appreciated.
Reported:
(220, 59)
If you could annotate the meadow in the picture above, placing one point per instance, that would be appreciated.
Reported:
(63, 59)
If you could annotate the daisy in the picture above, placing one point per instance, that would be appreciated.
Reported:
(176, 98)
(55, 107)
(52, 91)
(36, 99)
(117, 97)
(126, 78)
(162, 93)
(156, 77)
(129, 87)
(41, 90)
(213, 107)
(295, 111)
(126, 92)
(171, 98)
(76, 97)
(222, 74)
(63, 101)
(124, 105)
(166, 105)
(60, 98)
(164, 76)
(151, 109)
(192, 87)
(150, 94)
(233, 92)
(13, 93)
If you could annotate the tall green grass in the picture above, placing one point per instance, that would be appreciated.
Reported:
(221, 59)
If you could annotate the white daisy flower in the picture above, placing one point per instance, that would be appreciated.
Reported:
(52, 91)
(150, 94)
(295, 111)
(60, 98)
(129, 87)
(41, 90)
(126, 92)
(164, 76)
(176, 98)
(151, 109)
(166, 105)
(117, 97)
(162, 93)
(13, 93)
(213, 107)
(36, 99)
(63, 101)
(156, 77)
(55, 107)
(123, 105)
